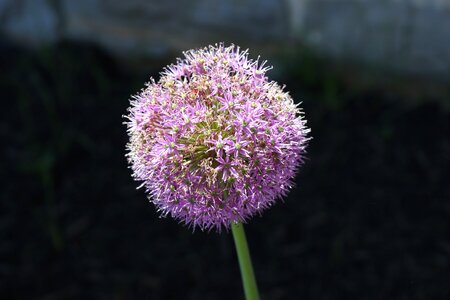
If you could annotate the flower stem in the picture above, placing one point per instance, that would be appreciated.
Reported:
(245, 262)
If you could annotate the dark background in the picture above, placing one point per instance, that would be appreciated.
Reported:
(369, 218)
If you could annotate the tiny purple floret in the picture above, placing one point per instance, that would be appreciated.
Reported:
(214, 141)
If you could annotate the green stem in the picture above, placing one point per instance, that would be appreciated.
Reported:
(245, 262)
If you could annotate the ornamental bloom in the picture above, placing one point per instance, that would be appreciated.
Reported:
(214, 141)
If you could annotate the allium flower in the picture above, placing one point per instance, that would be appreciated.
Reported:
(214, 141)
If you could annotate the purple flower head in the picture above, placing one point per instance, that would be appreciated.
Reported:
(214, 141)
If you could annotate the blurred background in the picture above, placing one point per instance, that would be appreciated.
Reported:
(369, 218)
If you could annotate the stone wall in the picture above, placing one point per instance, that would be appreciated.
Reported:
(410, 36)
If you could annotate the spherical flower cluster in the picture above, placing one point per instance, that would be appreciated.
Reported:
(214, 141)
